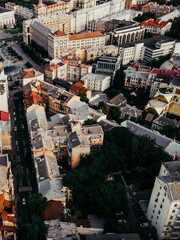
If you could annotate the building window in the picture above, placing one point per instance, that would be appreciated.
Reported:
(171, 217)
(169, 223)
(167, 229)
(173, 211)
(155, 206)
(175, 205)
(163, 200)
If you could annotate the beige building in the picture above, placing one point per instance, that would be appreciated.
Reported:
(43, 10)
(7, 18)
(163, 209)
(95, 52)
(59, 42)
(58, 70)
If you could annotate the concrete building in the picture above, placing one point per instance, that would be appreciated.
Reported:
(4, 92)
(109, 22)
(163, 209)
(126, 34)
(58, 70)
(55, 22)
(21, 13)
(156, 26)
(107, 64)
(59, 42)
(155, 49)
(7, 18)
(96, 82)
(135, 79)
(154, 7)
(80, 18)
(93, 53)
(170, 15)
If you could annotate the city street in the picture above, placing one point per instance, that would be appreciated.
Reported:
(21, 154)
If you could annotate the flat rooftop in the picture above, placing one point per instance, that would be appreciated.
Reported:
(3, 10)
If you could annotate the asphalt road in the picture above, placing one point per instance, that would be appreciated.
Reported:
(21, 150)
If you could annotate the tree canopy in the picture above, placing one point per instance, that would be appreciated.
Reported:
(171, 132)
(144, 16)
(121, 151)
(174, 32)
(37, 203)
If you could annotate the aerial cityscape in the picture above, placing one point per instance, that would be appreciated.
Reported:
(89, 120)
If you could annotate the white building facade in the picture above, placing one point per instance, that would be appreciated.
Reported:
(163, 210)
(96, 82)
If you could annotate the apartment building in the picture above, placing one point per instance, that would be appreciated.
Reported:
(126, 35)
(155, 49)
(135, 79)
(159, 10)
(161, 79)
(80, 18)
(60, 22)
(156, 26)
(80, 141)
(93, 53)
(59, 42)
(163, 209)
(7, 18)
(7, 208)
(21, 13)
(43, 10)
(96, 82)
(107, 64)
(58, 70)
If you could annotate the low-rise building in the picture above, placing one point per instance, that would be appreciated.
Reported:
(79, 88)
(96, 82)
(21, 13)
(156, 26)
(31, 74)
(156, 8)
(58, 70)
(161, 122)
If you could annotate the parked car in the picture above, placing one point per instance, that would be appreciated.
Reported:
(23, 201)
(122, 221)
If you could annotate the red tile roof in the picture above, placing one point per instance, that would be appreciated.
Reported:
(154, 23)
(157, 70)
(78, 87)
(54, 210)
(60, 33)
(30, 73)
(4, 116)
(57, 4)
(85, 35)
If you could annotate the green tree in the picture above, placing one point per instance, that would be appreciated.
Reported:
(37, 203)
(103, 107)
(83, 97)
(36, 229)
(119, 78)
(144, 16)
(171, 132)
(114, 113)
(174, 32)
(90, 122)
(20, 174)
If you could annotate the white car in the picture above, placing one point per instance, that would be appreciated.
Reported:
(122, 221)
(23, 201)
(145, 224)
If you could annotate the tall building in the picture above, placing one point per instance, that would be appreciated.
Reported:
(163, 209)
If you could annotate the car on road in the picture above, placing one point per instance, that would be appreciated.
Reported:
(119, 213)
(122, 221)
(16, 143)
(23, 201)
(145, 224)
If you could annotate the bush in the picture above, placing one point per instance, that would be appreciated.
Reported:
(28, 65)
